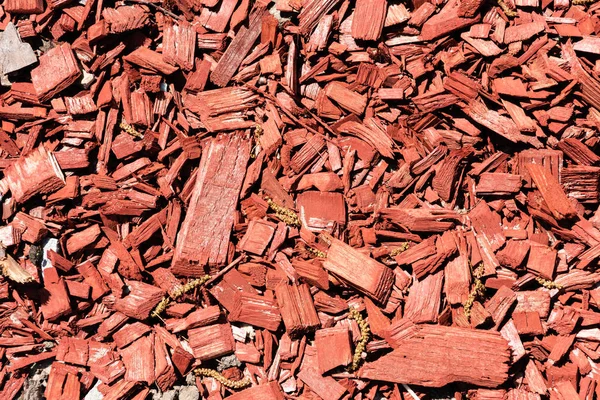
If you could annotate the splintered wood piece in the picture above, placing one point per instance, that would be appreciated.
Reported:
(24, 7)
(521, 394)
(138, 358)
(346, 98)
(56, 302)
(201, 317)
(446, 178)
(582, 183)
(212, 341)
(424, 300)
(12, 270)
(561, 348)
(487, 225)
(312, 12)
(179, 43)
(421, 219)
(588, 44)
(270, 140)
(125, 18)
(321, 210)
(500, 124)
(247, 353)
(212, 103)
(379, 323)
(396, 14)
(255, 310)
(420, 251)
(58, 70)
(421, 14)
(533, 301)
(553, 193)
(297, 309)
(486, 48)
(542, 261)
(129, 333)
(80, 104)
(203, 239)
(457, 282)
(80, 240)
(453, 355)
(577, 279)
(528, 323)
(140, 301)
(164, 371)
(307, 153)
(499, 305)
(551, 160)
(400, 330)
(498, 184)
(238, 49)
(73, 351)
(36, 173)
(257, 237)
(522, 32)
(318, 39)
(370, 131)
(226, 291)
(446, 21)
(333, 348)
(62, 381)
(578, 152)
(524, 123)
(269, 391)
(325, 387)
(359, 270)
(92, 277)
(312, 272)
(535, 379)
(368, 19)
(146, 58)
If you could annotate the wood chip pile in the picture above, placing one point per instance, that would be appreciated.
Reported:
(300, 199)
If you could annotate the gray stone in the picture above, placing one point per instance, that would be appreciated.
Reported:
(94, 393)
(168, 395)
(227, 362)
(35, 384)
(189, 393)
(14, 53)
(86, 79)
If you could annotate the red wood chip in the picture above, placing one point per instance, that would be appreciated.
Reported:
(304, 199)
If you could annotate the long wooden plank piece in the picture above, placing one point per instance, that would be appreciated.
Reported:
(204, 236)
(438, 355)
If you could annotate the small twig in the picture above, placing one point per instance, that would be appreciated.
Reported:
(224, 270)
(410, 391)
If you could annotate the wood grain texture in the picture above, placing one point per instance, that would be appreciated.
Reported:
(204, 236)
(438, 355)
